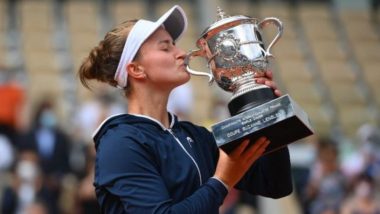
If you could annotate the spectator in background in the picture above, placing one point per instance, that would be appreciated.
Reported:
(88, 117)
(6, 153)
(52, 146)
(362, 200)
(12, 104)
(326, 186)
(92, 112)
(364, 156)
(26, 185)
(369, 140)
(87, 203)
(302, 156)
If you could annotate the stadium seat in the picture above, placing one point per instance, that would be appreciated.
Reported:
(3, 25)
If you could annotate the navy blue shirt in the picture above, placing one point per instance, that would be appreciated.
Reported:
(143, 167)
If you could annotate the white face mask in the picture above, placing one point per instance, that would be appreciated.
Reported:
(27, 170)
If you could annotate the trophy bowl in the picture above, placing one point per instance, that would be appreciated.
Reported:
(235, 51)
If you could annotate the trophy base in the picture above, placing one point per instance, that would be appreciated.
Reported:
(281, 120)
(250, 100)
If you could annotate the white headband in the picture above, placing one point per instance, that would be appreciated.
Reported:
(174, 21)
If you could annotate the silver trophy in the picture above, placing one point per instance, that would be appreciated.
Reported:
(235, 51)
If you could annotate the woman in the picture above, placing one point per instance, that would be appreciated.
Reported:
(149, 162)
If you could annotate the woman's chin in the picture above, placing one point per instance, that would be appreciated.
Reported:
(184, 80)
(188, 77)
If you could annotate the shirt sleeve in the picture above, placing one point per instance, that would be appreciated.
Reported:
(269, 176)
(129, 173)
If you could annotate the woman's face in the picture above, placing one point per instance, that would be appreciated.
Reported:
(162, 61)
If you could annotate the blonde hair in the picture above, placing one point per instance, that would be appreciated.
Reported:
(102, 61)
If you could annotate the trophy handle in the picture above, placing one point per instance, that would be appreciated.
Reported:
(278, 23)
(195, 53)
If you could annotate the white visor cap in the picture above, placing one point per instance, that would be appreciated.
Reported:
(174, 22)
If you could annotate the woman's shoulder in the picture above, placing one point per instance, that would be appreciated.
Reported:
(117, 129)
(123, 130)
(122, 141)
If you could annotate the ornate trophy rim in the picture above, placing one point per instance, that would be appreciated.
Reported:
(224, 22)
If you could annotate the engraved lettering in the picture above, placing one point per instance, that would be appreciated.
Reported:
(233, 133)
(269, 118)
(230, 124)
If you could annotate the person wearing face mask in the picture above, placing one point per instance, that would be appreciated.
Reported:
(26, 184)
(49, 141)
(52, 145)
(146, 160)
(12, 99)
(326, 186)
(363, 199)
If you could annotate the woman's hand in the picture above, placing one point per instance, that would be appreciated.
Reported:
(266, 78)
(232, 167)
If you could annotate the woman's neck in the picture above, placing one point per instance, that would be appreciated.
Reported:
(150, 104)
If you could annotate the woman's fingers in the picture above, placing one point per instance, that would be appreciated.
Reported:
(277, 92)
(240, 149)
(265, 78)
(255, 153)
(266, 74)
(244, 147)
(263, 147)
(270, 84)
(267, 82)
(273, 85)
(258, 143)
(232, 167)
(269, 75)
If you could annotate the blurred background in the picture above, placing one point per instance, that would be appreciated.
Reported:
(328, 60)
